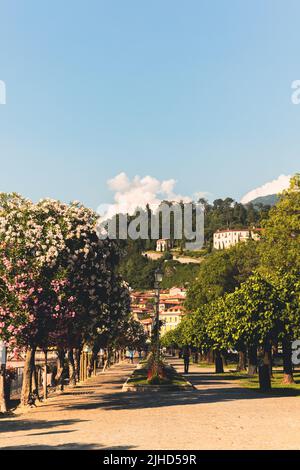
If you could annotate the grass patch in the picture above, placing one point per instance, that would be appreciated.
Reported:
(206, 365)
(278, 387)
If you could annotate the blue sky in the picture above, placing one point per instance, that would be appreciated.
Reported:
(198, 91)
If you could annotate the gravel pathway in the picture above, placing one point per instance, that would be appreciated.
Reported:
(218, 414)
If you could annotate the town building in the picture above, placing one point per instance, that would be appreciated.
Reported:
(163, 244)
(171, 318)
(226, 238)
(171, 308)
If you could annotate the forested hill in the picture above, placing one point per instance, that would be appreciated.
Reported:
(221, 214)
(270, 200)
(138, 271)
(227, 213)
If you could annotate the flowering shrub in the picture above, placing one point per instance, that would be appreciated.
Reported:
(58, 285)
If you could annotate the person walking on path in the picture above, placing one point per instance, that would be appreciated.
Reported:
(186, 359)
(131, 356)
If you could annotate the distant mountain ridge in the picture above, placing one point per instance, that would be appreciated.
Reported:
(269, 200)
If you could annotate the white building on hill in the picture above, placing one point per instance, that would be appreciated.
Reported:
(163, 244)
(227, 238)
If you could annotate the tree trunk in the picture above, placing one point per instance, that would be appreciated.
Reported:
(3, 403)
(271, 362)
(288, 377)
(60, 369)
(264, 370)
(218, 362)
(83, 366)
(210, 359)
(93, 359)
(109, 351)
(77, 363)
(26, 393)
(242, 361)
(252, 356)
(106, 361)
(7, 389)
(72, 370)
(45, 390)
(35, 382)
(203, 356)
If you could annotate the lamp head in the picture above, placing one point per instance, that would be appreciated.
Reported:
(158, 275)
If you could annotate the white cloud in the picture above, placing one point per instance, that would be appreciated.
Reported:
(272, 187)
(138, 192)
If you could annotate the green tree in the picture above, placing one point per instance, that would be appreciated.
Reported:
(280, 261)
(281, 236)
(138, 271)
(254, 320)
(221, 272)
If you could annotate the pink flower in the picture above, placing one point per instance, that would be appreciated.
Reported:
(57, 308)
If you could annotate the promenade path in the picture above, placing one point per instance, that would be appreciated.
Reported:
(218, 414)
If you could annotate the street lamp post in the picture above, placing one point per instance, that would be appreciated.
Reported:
(3, 407)
(158, 279)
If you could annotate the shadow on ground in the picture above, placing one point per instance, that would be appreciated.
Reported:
(68, 446)
(12, 425)
(212, 388)
(142, 400)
